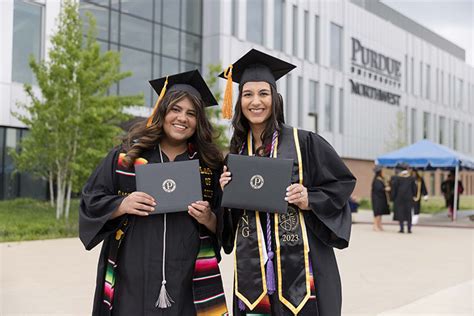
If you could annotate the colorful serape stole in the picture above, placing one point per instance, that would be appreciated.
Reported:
(209, 298)
(109, 283)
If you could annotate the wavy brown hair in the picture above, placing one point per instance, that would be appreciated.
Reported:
(141, 138)
(241, 124)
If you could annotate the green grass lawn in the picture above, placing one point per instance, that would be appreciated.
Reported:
(29, 219)
(435, 204)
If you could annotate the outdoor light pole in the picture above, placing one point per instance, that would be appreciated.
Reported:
(456, 194)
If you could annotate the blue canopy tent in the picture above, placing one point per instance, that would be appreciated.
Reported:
(429, 156)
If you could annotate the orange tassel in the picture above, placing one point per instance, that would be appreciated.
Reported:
(157, 103)
(227, 104)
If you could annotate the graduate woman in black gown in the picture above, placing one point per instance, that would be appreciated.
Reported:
(157, 264)
(284, 263)
(379, 197)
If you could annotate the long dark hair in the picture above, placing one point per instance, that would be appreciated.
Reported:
(241, 124)
(141, 138)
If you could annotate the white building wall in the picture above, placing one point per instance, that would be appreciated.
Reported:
(368, 124)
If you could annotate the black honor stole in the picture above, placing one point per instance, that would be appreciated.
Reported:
(293, 273)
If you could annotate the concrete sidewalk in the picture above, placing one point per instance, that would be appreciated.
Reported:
(429, 272)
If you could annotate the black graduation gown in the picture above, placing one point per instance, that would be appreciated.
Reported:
(423, 191)
(403, 190)
(328, 223)
(139, 262)
(379, 197)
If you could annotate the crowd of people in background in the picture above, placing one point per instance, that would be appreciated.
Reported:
(406, 188)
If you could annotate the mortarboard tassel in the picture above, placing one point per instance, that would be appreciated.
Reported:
(155, 108)
(227, 104)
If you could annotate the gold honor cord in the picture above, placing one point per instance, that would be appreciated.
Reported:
(249, 304)
(288, 304)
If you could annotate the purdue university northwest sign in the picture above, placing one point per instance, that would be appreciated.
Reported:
(373, 66)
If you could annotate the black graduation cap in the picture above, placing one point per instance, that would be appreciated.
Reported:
(258, 66)
(253, 66)
(190, 81)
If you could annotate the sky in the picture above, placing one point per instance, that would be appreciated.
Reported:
(452, 19)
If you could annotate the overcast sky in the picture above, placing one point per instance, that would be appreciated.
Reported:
(452, 19)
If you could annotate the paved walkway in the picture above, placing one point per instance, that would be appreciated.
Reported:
(429, 272)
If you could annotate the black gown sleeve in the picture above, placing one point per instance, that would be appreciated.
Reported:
(98, 201)
(215, 204)
(330, 184)
(424, 191)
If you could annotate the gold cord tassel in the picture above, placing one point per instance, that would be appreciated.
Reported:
(227, 104)
(155, 108)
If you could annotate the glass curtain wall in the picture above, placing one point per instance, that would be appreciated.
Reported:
(154, 38)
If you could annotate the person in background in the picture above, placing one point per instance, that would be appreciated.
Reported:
(379, 197)
(403, 190)
(447, 187)
(420, 191)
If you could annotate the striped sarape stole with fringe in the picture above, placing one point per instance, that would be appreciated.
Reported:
(209, 298)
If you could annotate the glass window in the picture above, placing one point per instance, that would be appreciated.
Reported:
(313, 96)
(136, 32)
(171, 13)
(191, 16)
(449, 89)
(406, 73)
(101, 16)
(426, 125)
(104, 3)
(328, 107)
(139, 63)
(186, 66)
(170, 42)
(442, 87)
(456, 135)
(469, 138)
(114, 26)
(421, 79)
(27, 39)
(295, 33)
(190, 47)
(301, 112)
(306, 35)
(316, 39)
(412, 77)
(428, 82)
(169, 66)
(235, 17)
(157, 39)
(459, 93)
(278, 24)
(341, 110)
(156, 66)
(289, 91)
(413, 125)
(336, 46)
(255, 20)
(10, 180)
(141, 8)
(437, 85)
(158, 8)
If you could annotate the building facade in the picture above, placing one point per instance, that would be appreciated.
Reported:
(368, 79)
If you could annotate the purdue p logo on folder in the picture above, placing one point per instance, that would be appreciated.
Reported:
(174, 185)
(258, 183)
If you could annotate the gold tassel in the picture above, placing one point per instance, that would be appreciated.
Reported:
(227, 104)
(157, 103)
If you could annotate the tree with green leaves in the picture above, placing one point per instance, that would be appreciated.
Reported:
(397, 133)
(73, 121)
(215, 114)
